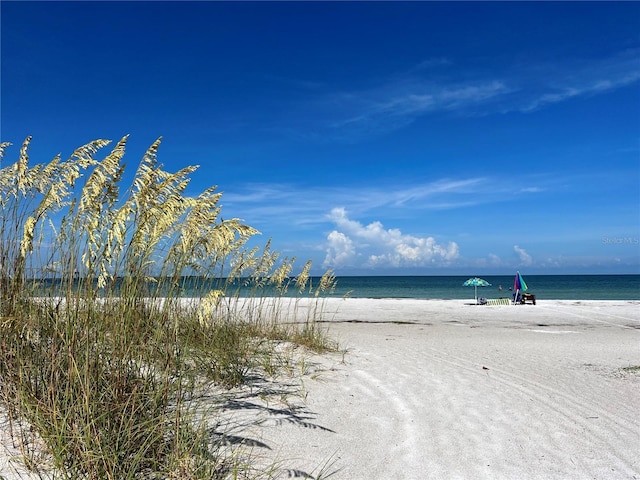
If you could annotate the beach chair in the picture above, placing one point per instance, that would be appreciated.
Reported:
(498, 301)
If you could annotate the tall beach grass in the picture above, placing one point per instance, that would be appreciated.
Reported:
(101, 358)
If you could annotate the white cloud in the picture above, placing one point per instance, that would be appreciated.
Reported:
(340, 250)
(525, 258)
(382, 247)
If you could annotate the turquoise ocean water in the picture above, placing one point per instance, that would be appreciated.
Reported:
(551, 287)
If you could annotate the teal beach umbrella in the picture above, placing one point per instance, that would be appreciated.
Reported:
(476, 282)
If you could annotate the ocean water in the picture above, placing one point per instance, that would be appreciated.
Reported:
(550, 287)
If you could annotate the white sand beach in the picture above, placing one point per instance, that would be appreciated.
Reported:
(441, 389)
(446, 390)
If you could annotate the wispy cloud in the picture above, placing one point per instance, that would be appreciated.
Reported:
(423, 100)
(580, 78)
(303, 205)
(523, 256)
(400, 99)
(395, 105)
(438, 188)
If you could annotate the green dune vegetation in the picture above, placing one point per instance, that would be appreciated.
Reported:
(102, 358)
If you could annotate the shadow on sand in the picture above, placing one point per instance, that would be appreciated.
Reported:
(234, 418)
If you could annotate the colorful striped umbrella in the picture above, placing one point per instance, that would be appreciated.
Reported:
(518, 283)
(476, 282)
(518, 286)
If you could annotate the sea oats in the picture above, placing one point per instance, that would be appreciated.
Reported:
(71, 173)
(20, 167)
(26, 244)
(209, 306)
(3, 146)
(116, 234)
(49, 199)
(303, 277)
(242, 262)
(327, 283)
(50, 172)
(146, 167)
(78, 353)
(5, 173)
(281, 276)
(84, 156)
(264, 265)
(90, 222)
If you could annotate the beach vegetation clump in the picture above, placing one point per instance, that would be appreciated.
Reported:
(118, 307)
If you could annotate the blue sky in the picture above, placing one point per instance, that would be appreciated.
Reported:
(373, 137)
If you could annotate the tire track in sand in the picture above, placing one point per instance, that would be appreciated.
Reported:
(591, 422)
(437, 411)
